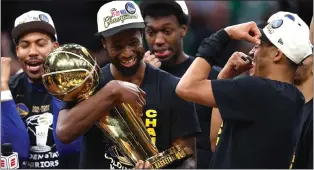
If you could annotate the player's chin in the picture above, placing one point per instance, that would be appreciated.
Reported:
(34, 76)
(165, 58)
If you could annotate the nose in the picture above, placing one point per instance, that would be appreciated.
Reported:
(33, 51)
(160, 40)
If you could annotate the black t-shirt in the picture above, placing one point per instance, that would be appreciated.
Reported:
(304, 153)
(168, 117)
(204, 152)
(261, 123)
(34, 105)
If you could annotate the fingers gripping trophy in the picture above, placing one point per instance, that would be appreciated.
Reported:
(72, 74)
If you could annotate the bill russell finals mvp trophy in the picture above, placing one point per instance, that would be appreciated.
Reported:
(72, 74)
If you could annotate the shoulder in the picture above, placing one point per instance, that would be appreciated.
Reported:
(16, 79)
(165, 79)
(104, 77)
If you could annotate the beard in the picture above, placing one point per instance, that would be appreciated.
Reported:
(128, 71)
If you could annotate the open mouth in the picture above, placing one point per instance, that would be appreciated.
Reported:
(34, 65)
(162, 54)
(128, 62)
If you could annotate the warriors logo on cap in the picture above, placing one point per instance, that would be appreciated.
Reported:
(277, 23)
(130, 8)
(43, 17)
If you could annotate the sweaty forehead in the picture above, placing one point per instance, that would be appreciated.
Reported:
(34, 36)
(161, 21)
(125, 36)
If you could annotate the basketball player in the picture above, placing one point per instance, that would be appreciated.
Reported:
(166, 25)
(28, 117)
(304, 81)
(261, 113)
(168, 119)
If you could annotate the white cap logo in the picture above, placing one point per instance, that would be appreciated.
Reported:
(130, 8)
(116, 16)
(43, 17)
(289, 33)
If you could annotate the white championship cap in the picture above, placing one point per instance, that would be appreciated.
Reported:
(181, 5)
(33, 21)
(116, 16)
(289, 33)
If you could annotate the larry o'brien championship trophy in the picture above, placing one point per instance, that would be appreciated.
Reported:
(72, 74)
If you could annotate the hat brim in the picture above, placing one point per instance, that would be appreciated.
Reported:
(32, 26)
(263, 37)
(115, 30)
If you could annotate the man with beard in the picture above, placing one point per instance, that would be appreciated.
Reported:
(304, 81)
(28, 117)
(166, 25)
(120, 27)
(261, 114)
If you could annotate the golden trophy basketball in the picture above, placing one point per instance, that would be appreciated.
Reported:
(72, 74)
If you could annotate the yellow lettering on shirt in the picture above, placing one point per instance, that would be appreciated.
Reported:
(219, 132)
(151, 123)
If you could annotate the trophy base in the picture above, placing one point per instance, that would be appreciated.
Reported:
(40, 149)
(169, 156)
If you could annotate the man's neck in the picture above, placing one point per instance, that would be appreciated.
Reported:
(137, 78)
(307, 89)
(182, 57)
(39, 81)
(282, 74)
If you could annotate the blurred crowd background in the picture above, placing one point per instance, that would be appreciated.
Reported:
(75, 21)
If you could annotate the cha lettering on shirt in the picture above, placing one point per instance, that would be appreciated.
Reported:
(219, 132)
(151, 123)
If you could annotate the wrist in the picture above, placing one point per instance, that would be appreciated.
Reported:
(221, 76)
(111, 90)
(229, 31)
(212, 47)
(6, 95)
(4, 86)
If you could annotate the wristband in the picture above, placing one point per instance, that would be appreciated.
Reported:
(212, 46)
(6, 95)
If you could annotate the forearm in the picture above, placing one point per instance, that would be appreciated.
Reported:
(76, 121)
(13, 130)
(4, 86)
(197, 72)
(195, 78)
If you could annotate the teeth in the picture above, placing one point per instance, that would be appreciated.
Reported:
(128, 61)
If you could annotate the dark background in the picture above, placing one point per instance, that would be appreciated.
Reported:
(76, 21)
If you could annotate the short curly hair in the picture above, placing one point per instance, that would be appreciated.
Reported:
(162, 9)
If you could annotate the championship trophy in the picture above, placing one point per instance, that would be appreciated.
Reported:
(72, 74)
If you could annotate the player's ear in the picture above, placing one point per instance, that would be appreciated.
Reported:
(56, 45)
(103, 42)
(278, 56)
(184, 30)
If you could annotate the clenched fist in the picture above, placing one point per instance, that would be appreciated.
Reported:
(247, 31)
(237, 64)
(151, 59)
(5, 73)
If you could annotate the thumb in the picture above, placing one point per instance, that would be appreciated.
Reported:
(146, 54)
(252, 39)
